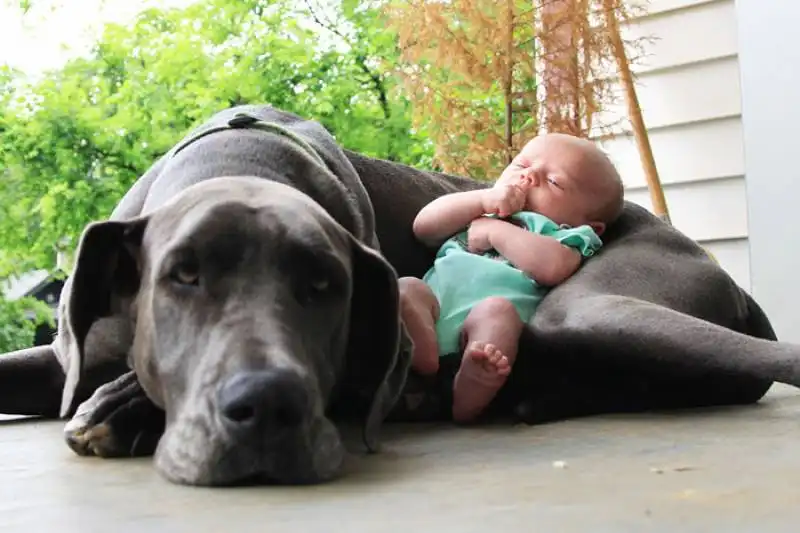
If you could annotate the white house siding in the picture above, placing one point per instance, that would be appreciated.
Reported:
(688, 87)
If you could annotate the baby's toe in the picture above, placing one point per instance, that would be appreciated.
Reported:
(476, 351)
(476, 346)
(503, 366)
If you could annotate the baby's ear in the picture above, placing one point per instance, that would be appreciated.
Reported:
(598, 227)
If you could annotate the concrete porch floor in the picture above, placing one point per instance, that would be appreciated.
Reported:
(734, 469)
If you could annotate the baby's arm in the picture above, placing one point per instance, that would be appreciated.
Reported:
(451, 213)
(447, 215)
(542, 258)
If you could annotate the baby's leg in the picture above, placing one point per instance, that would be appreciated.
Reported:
(419, 310)
(492, 331)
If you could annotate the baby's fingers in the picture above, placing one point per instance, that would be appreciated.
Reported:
(505, 209)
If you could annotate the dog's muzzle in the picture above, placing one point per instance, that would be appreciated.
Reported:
(255, 404)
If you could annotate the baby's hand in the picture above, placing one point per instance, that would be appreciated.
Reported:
(505, 199)
(478, 234)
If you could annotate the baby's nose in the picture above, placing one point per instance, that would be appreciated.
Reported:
(532, 175)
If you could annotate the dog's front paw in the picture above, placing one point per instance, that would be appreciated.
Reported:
(119, 420)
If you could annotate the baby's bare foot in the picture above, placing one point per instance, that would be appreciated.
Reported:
(483, 371)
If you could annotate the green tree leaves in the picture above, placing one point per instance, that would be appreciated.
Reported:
(18, 322)
(73, 140)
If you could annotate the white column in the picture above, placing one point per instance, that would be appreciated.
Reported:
(769, 57)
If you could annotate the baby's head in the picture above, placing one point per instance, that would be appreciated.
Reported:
(572, 181)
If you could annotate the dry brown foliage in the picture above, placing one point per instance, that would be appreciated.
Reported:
(486, 76)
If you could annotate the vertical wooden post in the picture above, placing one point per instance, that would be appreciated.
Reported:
(635, 114)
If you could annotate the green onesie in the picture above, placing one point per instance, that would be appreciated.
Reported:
(460, 279)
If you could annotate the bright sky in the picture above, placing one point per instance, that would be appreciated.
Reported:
(55, 30)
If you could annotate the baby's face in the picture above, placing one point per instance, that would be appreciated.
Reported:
(562, 175)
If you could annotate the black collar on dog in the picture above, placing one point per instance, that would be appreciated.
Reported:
(247, 121)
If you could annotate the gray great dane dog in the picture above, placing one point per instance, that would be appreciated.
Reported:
(241, 301)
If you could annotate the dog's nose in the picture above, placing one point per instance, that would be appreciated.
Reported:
(263, 400)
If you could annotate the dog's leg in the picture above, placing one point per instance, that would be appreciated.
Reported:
(651, 340)
(571, 385)
(30, 382)
(118, 420)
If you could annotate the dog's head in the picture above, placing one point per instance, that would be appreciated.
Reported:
(250, 306)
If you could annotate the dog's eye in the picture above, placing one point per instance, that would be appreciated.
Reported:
(314, 288)
(320, 284)
(185, 273)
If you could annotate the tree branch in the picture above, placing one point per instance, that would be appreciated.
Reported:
(361, 61)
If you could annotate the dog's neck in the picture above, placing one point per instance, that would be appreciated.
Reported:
(245, 120)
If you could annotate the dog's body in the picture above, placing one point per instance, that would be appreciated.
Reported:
(235, 278)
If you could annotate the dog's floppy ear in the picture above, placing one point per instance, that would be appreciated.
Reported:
(376, 351)
(104, 279)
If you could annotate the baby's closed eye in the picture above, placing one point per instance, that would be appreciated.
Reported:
(552, 180)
